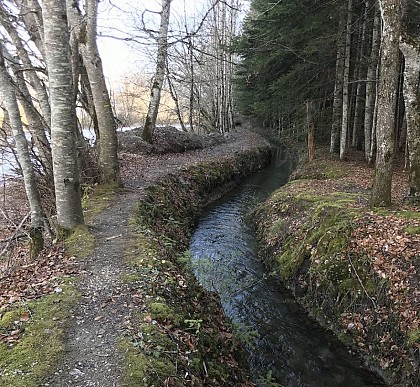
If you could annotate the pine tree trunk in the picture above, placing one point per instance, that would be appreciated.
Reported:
(310, 130)
(66, 176)
(151, 117)
(391, 11)
(338, 90)
(371, 85)
(24, 158)
(411, 50)
(346, 72)
(361, 84)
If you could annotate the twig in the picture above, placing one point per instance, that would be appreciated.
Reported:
(361, 283)
(113, 237)
(14, 236)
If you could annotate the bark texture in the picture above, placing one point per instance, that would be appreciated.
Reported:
(66, 176)
(346, 72)
(411, 50)
(86, 27)
(150, 122)
(338, 90)
(371, 85)
(391, 12)
(24, 158)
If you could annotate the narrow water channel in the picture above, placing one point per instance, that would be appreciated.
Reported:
(284, 345)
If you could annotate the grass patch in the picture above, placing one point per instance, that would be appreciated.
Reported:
(32, 358)
(412, 230)
(81, 242)
(414, 337)
(145, 370)
(96, 199)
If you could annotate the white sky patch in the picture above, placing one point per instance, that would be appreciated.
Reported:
(116, 26)
(117, 20)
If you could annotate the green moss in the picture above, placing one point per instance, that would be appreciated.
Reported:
(346, 338)
(413, 230)
(320, 170)
(33, 357)
(291, 260)
(414, 337)
(409, 214)
(132, 277)
(276, 227)
(96, 199)
(144, 370)
(162, 312)
(81, 242)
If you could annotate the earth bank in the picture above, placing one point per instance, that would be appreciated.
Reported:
(355, 269)
(181, 336)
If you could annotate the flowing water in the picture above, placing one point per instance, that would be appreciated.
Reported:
(283, 343)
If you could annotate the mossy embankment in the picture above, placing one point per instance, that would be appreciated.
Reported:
(352, 267)
(181, 337)
(25, 359)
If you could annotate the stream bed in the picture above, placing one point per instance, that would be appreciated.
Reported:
(283, 344)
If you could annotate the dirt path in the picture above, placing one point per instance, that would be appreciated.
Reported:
(92, 357)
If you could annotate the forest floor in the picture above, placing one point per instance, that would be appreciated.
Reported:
(106, 303)
(104, 309)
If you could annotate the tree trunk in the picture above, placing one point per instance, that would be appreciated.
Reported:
(34, 119)
(24, 158)
(361, 84)
(174, 96)
(311, 127)
(346, 72)
(371, 84)
(391, 11)
(66, 176)
(411, 50)
(151, 117)
(35, 81)
(108, 159)
(338, 89)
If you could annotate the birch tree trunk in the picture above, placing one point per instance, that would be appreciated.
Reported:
(371, 84)
(36, 124)
(31, 14)
(150, 121)
(391, 12)
(411, 50)
(35, 81)
(24, 158)
(346, 72)
(87, 31)
(66, 176)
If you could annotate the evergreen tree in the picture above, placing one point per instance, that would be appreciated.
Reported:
(286, 60)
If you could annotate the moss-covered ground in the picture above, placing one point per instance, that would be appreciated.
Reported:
(354, 268)
(35, 330)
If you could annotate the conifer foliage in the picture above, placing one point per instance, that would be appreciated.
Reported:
(287, 59)
(337, 57)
